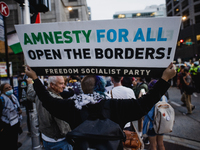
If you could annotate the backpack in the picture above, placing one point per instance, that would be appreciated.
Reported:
(75, 87)
(164, 117)
(97, 132)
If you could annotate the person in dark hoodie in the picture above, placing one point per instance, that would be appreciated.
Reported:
(70, 111)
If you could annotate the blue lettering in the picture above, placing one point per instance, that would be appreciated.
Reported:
(123, 33)
(149, 39)
(99, 35)
(160, 35)
(109, 35)
(139, 35)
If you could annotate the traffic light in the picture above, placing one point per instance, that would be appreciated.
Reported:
(181, 42)
(37, 5)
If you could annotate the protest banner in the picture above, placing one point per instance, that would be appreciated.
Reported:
(133, 47)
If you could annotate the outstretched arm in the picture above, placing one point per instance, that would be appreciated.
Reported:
(57, 107)
(130, 110)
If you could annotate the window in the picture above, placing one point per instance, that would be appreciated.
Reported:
(198, 39)
(73, 14)
(121, 16)
(186, 13)
(176, 10)
(167, 1)
(197, 19)
(170, 14)
(186, 23)
(178, 43)
(169, 7)
(197, 8)
(128, 15)
(115, 16)
(184, 4)
(133, 15)
(176, 2)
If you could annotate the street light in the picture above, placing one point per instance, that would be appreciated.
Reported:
(69, 8)
(184, 18)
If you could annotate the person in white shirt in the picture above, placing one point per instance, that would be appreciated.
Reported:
(120, 92)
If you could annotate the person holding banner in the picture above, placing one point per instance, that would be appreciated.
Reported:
(53, 130)
(68, 111)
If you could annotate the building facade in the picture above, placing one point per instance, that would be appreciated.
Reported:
(60, 11)
(149, 11)
(188, 44)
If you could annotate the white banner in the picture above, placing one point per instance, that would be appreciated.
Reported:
(142, 46)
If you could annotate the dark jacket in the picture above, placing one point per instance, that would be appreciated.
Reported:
(66, 110)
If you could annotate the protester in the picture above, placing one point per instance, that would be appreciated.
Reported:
(100, 85)
(140, 89)
(180, 84)
(10, 118)
(156, 140)
(127, 82)
(53, 130)
(67, 109)
(121, 92)
(74, 83)
(187, 87)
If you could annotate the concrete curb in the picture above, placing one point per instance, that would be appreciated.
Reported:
(181, 141)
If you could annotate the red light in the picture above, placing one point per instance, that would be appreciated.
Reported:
(181, 41)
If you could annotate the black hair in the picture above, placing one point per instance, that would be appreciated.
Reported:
(186, 70)
(117, 78)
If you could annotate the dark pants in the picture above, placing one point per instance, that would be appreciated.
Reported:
(9, 137)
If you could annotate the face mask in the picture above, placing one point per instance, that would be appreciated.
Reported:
(8, 93)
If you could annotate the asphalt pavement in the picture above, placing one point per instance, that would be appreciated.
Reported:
(185, 134)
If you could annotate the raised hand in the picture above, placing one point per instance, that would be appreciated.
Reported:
(30, 73)
(169, 72)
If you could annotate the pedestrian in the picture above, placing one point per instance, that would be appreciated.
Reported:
(127, 82)
(156, 140)
(53, 130)
(195, 77)
(188, 89)
(74, 83)
(67, 109)
(180, 84)
(10, 118)
(121, 92)
(140, 89)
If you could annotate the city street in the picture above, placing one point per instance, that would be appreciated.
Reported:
(185, 135)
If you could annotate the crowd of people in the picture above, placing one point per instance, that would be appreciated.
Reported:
(188, 81)
(59, 101)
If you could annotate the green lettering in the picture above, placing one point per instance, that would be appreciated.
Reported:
(48, 38)
(87, 35)
(67, 37)
(37, 38)
(58, 37)
(27, 39)
(77, 35)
